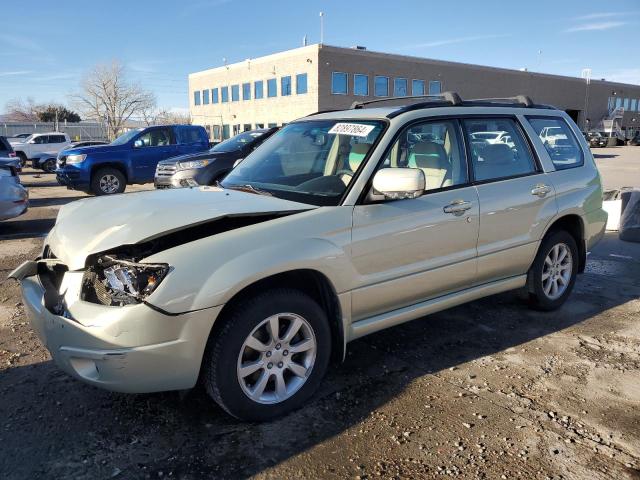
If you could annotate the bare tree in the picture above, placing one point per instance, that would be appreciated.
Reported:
(165, 117)
(18, 110)
(108, 97)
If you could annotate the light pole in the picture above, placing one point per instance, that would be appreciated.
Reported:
(586, 74)
(321, 28)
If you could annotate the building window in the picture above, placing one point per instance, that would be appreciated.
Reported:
(214, 95)
(361, 85)
(417, 87)
(236, 129)
(205, 96)
(246, 91)
(435, 87)
(618, 102)
(301, 84)
(246, 127)
(272, 125)
(272, 88)
(634, 104)
(285, 86)
(381, 87)
(400, 86)
(235, 93)
(196, 97)
(626, 104)
(224, 93)
(259, 125)
(216, 132)
(225, 132)
(258, 90)
(339, 83)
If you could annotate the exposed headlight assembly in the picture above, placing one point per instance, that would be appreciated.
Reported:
(193, 164)
(115, 281)
(76, 158)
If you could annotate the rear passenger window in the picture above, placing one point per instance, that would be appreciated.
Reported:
(559, 140)
(435, 148)
(498, 149)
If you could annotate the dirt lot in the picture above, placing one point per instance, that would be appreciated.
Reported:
(486, 390)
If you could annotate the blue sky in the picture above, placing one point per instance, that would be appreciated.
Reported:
(46, 48)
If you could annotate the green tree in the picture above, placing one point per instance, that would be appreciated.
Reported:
(49, 113)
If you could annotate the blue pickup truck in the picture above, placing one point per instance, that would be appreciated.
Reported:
(130, 158)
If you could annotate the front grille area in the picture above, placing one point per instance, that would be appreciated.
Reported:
(165, 170)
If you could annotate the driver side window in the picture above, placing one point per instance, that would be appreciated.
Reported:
(155, 138)
(435, 148)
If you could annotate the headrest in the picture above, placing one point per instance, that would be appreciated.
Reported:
(497, 154)
(357, 154)
(429, 155)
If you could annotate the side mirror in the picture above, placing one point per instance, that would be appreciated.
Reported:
(397, 184)
(138, 144)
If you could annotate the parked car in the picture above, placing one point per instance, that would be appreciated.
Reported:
(131, 158)
(39, 143)
(208, 167)
(635, 141)
(47, 160)
(19, 137)
(14, 198)
(596, 139)
(337, 227)
(6, 150)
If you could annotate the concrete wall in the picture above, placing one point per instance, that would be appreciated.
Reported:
(470, 81)
(277, 110)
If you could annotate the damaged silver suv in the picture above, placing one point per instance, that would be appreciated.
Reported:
(341, 224)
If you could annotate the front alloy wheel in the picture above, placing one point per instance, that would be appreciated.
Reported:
(269, 354)
(556, 271)
(276, 358)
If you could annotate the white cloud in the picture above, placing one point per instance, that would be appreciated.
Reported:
(20, 43)
(588, 27)
(15, 72)
(601, 15)
(450, 41)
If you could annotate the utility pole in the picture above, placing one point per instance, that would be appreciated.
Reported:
(321, 28)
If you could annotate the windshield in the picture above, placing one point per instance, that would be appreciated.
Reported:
(125, 137)
(309, 161)
(236, 143)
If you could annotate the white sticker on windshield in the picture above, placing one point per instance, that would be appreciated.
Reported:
(353, 129)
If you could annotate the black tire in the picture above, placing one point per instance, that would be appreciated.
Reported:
(220, 362)
(538, 299)
(23, 159)
(49, 165)
(114, 177)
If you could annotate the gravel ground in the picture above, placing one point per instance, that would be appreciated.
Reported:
(486, 390)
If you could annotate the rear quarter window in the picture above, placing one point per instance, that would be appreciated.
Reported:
(193, 135)
(559, 141)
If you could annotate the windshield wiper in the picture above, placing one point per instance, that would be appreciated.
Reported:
(247, 187)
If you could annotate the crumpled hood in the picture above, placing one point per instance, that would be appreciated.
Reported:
(93, 225)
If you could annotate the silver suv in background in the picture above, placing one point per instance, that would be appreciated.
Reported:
(340, 225)
(14, 198)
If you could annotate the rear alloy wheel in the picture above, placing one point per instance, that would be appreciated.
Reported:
(270, 355)
(108, 181)
(553, 273)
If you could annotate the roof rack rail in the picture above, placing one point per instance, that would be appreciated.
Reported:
(452, 98)
(521, 99)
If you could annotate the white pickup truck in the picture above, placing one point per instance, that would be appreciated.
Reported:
(39, 143)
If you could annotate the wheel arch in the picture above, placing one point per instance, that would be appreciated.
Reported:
(574, 225)
(116, 165)
(311, 282)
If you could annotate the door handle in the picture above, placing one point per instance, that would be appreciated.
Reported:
(540, 190)
(458, 207)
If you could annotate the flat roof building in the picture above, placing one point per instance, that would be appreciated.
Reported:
(276, 89)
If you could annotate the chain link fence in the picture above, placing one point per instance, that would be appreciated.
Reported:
(77, 131)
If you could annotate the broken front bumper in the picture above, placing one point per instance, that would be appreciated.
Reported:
(132, 349)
